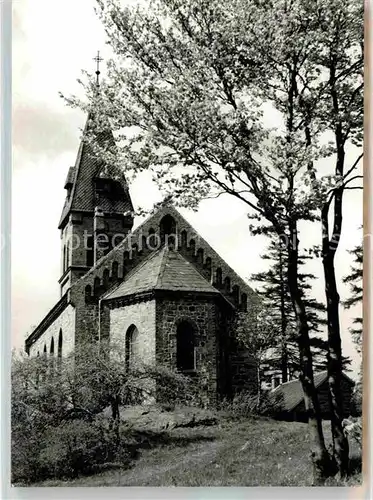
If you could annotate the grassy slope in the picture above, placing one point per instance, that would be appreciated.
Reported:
(245, 453)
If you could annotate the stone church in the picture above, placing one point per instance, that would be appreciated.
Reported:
(159, 289)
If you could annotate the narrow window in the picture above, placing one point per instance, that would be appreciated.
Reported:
(131, 346)
(59, 352)
(64, 259)
(219, 277)
(167, 228)
(89, 252)
(185, 347)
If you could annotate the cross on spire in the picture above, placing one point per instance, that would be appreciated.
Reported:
(98, 59)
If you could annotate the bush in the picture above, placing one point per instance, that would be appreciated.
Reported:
(245, 404)
(71, 449)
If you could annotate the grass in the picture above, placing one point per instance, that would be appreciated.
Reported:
(251, 452)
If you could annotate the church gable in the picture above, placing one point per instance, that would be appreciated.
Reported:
(148, 237)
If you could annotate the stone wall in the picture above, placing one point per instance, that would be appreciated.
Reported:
(201, 313)
(141, 315)
(65, 322)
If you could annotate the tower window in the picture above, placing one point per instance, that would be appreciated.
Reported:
(185, 347)
(89, 252)
(64, 259)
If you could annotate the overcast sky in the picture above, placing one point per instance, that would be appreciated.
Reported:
(52, 42)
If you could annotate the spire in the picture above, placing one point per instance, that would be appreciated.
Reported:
(98, 59)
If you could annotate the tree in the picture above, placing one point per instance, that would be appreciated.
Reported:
(185, 92)
(256, 330)
(275, 293)
(68, 403)
(355, 282)
(335, 104)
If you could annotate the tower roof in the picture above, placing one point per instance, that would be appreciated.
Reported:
(165, 269)
(80, 182)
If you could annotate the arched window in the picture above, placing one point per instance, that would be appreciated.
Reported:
(66, 256)
(106, 278)
(52, 348)
(185, 347)
(244, 302)
(64, 259)
(88, 293)
(114, 270)
(167, 227)
(236, 294)
(192, 246)
(184, 238)
(218, 277)
(96, 284)
(227, 284)
(45, 350)
(59, 351)
(208, 267)
(200, 253)
(131, 346)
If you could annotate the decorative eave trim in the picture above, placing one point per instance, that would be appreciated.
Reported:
(134, 298)
(116, 302)
(47, 321)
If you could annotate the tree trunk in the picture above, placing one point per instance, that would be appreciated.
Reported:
(320, 456)
(259, 390)
(115, 415)
(284, 351)
(340, 442)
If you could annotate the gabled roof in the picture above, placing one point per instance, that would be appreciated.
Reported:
(287, 396)
(81, 178)
(166, 269)
(152, 222)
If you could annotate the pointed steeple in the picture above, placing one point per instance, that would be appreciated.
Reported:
(97, 208)
(89, 184)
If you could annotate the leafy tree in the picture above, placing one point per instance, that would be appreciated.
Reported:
(66, 401)
(256, 330)
(187, 91)
(339, 111)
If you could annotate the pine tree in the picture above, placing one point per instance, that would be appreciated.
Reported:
(275, 293)
(355, 282)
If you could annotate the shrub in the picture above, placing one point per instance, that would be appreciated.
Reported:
(71, 449)
(245, 404)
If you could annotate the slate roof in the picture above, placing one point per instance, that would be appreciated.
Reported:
(87, 168)
(165, 269)
(287, 396)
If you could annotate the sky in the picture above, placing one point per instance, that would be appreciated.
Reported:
(52, 42)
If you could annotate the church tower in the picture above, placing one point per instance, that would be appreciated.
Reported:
(96, 215)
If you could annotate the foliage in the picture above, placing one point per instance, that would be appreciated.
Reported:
(57, 425)
(186, 94)
(355, 282)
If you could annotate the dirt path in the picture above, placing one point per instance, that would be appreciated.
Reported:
(138, 476)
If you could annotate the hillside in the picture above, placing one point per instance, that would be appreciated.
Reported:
(249, 452)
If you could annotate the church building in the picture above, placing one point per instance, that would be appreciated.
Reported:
(159, 289)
